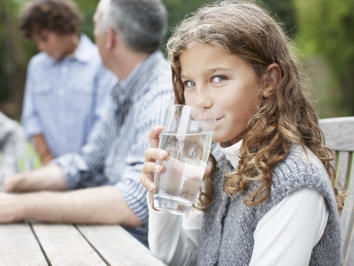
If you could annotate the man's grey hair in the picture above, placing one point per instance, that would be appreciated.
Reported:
(142, 24)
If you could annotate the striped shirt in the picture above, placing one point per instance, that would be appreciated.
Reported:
(65, 99)
(116, 152)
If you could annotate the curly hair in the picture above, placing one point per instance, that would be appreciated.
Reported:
(59, 16)
(285, 118)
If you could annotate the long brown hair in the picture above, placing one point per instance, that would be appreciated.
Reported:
(285, 118)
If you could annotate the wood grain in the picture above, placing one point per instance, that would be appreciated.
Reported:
(343, 168)
(339, 133)
(117, 246)
(339, 136)
(64, 245)
(347, 220)
(18, 246)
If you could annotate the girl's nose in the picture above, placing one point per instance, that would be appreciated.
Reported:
(203, 100)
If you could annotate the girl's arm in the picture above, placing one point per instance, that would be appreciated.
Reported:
(173, 238)
(287, 234)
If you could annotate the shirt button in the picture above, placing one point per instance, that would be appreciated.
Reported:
(61, 92)
(64, 70)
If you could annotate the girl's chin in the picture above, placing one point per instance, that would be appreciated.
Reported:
(217, 138)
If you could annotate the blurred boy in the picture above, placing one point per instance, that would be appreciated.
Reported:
(67, 87)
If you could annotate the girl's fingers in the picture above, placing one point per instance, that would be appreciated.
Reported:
(147, 175)
(149, 168)
(153, 154)
(154, 136)
(207, 169)
(147, 183)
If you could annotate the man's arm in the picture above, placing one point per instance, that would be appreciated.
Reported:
(102, 205)
(49, 177)
(67, 171)
(42, 148)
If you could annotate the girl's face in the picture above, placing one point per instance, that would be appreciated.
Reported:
(223, 84)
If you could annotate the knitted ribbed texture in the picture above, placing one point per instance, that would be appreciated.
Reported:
(229, 225)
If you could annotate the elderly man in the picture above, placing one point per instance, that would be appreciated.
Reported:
(128, 34)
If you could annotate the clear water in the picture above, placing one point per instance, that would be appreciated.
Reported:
(178, 186)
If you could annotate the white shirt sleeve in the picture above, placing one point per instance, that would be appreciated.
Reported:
(287, 234)
(173, 238)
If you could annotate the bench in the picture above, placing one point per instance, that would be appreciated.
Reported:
(339, 136)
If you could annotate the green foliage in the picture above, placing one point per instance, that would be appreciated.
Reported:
(7, 10)
(326, 27)
(87, 8)
(284, 12)
(12, 6)
(178, 9)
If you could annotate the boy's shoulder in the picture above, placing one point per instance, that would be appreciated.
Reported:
(39, 60)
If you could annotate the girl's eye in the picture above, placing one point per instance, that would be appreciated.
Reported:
(189, 83)
(218, 79)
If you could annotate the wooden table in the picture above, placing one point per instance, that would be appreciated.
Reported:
(65, 244)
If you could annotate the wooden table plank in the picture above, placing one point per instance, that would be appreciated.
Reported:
(64, 245)
(117, 246)
(18, 246)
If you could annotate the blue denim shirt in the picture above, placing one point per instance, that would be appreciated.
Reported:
(65, 99)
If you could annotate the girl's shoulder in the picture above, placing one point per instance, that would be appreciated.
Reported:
(298, 170)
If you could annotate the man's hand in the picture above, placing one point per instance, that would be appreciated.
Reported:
(49, 177)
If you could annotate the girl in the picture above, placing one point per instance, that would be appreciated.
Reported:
(269, 198)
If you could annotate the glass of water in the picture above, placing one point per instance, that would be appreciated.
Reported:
(187, 137)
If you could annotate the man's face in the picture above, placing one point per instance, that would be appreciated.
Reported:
(52, 43)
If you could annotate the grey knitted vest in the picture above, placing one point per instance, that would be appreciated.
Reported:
(228, 225)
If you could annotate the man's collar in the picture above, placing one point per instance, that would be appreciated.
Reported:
(137, 77)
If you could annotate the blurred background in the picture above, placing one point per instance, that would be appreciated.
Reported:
(322, 30)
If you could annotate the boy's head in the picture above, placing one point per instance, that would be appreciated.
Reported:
(59, 16)
(53, 24)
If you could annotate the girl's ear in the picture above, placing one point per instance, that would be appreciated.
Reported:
(272, 78)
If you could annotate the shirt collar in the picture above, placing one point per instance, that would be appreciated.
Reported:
(82, 52)
(232, 153)
(130, 86)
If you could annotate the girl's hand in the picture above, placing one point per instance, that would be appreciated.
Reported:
(150, 166)
(151, 155)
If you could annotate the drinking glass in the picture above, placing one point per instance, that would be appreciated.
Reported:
(187, 137)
